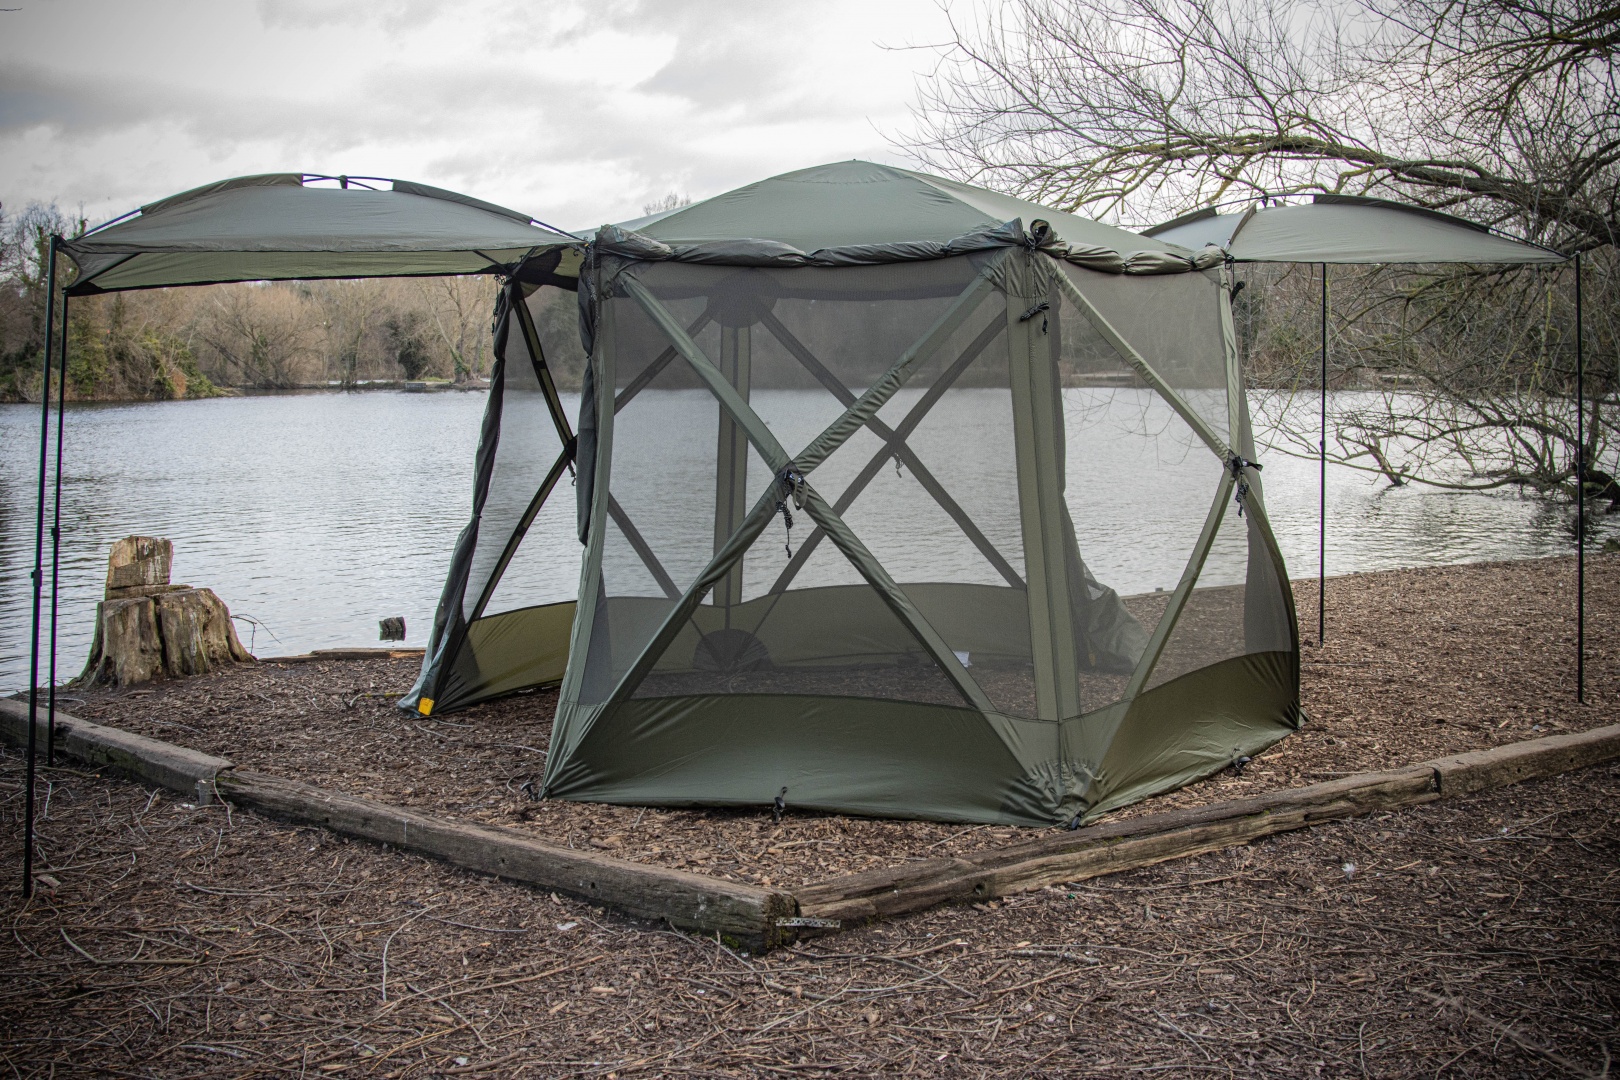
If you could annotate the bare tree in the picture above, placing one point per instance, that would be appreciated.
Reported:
(1506, 112)
(1460, 379)
(673, 201)
(347, 317)
(459, 310)
(24, 254)
(262, 333)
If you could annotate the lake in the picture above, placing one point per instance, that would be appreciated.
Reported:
(315, 515)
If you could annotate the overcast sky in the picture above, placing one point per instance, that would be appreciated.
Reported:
(575, 112)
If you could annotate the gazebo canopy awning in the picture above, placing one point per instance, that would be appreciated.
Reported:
(279, 226)
(856, 213)
(1347, 229)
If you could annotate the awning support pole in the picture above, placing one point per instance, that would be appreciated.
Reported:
(1321, 496)
(39, 566)
(56, 533)
(1580, 496)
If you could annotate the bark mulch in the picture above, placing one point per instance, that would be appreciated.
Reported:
(1418, 664)
(1475, 937)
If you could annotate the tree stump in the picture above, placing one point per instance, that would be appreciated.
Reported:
(147, 628)
(131, 649)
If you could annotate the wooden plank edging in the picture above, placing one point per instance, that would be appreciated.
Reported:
(747, 913)
(364, 653)
(763, 917)
(164, 764)
(1126, 845)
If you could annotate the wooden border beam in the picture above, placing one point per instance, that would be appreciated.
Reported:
(1116, 846)
(746, 914)
(760, 917)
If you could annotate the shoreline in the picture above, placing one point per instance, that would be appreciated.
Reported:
(409, 386)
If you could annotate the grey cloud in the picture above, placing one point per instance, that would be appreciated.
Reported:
(576, 113)
(396, 17)
(32, 97)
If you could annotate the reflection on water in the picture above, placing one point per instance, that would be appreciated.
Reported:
(319, 514)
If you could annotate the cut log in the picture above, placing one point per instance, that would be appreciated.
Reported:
(1113, 846)
(138, 561)
(747, 913)
(762, 917)
(1136, 842)
(345, 654)
(178, 768)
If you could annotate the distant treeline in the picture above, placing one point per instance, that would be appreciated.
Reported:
(199, 342)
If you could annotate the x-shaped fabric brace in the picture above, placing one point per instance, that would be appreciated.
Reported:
(895, 447)
(859, 412)
(516, 305)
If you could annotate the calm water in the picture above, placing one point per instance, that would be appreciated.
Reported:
(318, 514)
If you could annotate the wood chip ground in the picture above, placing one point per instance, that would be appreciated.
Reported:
(1468, 938)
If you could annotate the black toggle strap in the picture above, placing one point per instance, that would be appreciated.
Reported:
(1237, 465)
(790, 484)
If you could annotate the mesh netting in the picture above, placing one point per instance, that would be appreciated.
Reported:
(526, 453)
(1237, 606)
(914, 585)
(1178, 333)
(1137, 478)
(798, 347)
(544, 567)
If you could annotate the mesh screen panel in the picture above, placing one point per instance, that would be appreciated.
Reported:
(1179, 333)
(1137, 480)
(931, 486)
(798, 346)
(946, 521)
(1210, 627)
(840, 641)
(528, 447)
(1002, 533)
(1267, 621)
(556, 322)
(544, 568)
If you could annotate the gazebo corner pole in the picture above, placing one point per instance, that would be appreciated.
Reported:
(56, 532)
(1321, 494)
(39, 566)
(1580, 496)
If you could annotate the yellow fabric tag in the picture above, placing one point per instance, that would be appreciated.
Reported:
(425, 706)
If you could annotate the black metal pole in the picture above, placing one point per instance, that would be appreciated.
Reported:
(1580, 496)
(56, 534)
(1321, 497)
(39, 566)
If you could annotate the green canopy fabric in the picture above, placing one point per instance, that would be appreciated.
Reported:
(1347, 229)
(276, 226)
(858, 212)
(867, 462)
